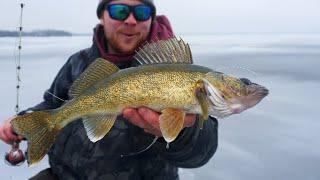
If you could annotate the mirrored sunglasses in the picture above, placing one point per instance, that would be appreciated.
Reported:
(121, 12)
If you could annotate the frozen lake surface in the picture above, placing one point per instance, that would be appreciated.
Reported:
(275, 140)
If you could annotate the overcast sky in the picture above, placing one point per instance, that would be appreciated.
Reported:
(187, 16)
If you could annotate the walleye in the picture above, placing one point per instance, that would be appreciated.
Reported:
(166, 82)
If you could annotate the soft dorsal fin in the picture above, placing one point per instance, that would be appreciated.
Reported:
(170, 51)
(96, 71)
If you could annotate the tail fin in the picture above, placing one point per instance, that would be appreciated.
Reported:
(38, 129)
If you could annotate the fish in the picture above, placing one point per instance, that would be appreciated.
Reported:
(167, 81)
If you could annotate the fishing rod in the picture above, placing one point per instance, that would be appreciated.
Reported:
(15, 156)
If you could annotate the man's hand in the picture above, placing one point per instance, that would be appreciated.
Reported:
(7, 134)
(148, 119)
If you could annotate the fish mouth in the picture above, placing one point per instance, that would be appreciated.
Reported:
(255, 93)
(261, 92)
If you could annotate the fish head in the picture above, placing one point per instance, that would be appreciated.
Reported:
(229, 95)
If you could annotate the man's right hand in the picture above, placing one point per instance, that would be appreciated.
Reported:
(7, 134)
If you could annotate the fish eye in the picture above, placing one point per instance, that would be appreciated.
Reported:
(246, 81)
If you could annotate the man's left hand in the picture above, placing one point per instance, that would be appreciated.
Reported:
(148, 119)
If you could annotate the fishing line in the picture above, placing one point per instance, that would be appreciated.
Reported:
(15, 156)
(141, 151)
(18, 63)
(56, 96)
(239, 67)
(257, 75)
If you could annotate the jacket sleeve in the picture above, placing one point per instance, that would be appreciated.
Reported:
(194, 146)
(59, 88)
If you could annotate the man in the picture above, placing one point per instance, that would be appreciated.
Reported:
(124, 26)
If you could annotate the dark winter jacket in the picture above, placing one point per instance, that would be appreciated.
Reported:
(74, 156)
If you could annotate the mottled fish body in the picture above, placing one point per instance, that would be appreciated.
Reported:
(166, 82)
(154, 86)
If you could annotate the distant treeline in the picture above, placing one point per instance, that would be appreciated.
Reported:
(39, 33)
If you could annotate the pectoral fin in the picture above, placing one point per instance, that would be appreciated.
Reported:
(98, 126)
(171, 123)
(202, 99)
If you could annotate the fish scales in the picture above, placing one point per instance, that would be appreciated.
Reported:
(156, 87)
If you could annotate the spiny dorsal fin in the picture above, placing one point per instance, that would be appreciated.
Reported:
(96, 71)
(170, 51)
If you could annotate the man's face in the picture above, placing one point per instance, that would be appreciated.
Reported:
(125, 36)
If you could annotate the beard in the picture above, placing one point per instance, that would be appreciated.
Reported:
(121, 46)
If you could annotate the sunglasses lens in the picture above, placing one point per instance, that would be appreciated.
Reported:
(142, 13)
(118, 11)
(121, 12)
